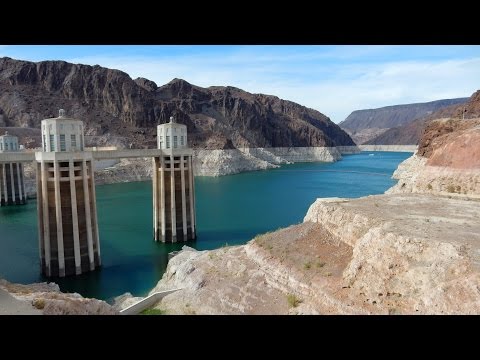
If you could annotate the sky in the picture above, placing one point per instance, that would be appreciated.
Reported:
(334, 80)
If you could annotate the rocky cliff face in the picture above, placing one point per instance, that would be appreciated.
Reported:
(369, 126)
(364, 135)
(396, 253)
(47, 299)
(120, 111)
(393, 116)
(411, 133)
(458, 136)
(447, 160)
(448, 157)
(468, 110)
(408, 134)
(349, 256)
(415, 176)
(233, 161)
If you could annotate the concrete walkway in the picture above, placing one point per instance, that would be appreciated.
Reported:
(11, 306)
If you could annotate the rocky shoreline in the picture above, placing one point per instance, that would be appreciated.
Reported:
(210, 163)
(413, 250)
(47, 299)
(383, 254)
(415, 176)
(233, 161)
(396, 148)
(447, 161)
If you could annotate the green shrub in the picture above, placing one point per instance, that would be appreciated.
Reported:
(38, 303)
(153, 312)
(293, 300)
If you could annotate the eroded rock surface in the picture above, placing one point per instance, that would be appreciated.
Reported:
(384, 254)
(47, 299)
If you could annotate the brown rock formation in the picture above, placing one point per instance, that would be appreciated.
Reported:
(383, 254)
(408, 134)
(439, 133)
(364, 135)
(396, 115)
(452, 142)
(47, 299)
(389, 125)
(118, 110)
(412, 132)
(471, 107)
(447, 161)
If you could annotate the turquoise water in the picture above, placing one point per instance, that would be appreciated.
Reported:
(230, 209)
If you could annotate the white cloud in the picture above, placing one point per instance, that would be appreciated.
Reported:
(333, 88)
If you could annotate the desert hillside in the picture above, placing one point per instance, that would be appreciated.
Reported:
(121, 111)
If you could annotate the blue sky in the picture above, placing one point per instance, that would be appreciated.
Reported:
(334, 80)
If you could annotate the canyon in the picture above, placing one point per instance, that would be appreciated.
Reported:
(412, 250)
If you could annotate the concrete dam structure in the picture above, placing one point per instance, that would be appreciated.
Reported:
(173, 185)
(12, 186)
(69, 242)
(66, 203)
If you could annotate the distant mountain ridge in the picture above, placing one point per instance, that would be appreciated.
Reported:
(368, 124)
(118, 110)
(395, 115)
(407, 134)
(411, 133)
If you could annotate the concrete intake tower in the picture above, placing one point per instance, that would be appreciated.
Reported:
(66, 204)
(173, 185)
(12, 186)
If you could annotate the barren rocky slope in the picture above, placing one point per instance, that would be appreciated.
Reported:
(397, 253)
(412, 132)
(365, 125)
(46, 299)
(364, 135)
(384, 254)
(120, 111)
(243, 131)
(408, 134)
(447, 161)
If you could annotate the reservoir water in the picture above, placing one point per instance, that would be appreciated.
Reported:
(230, 210)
